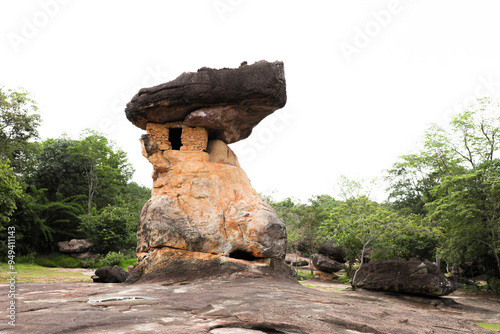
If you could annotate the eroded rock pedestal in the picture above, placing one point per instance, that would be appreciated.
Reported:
(204, 219)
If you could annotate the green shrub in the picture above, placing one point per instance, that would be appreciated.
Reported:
(112, 258)
(494, 285)
(473, 287)
(90, 262)
(114, 228)
(345, 279)
(27, 259)
(126, 263)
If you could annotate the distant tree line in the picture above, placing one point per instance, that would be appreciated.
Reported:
(63, 188)
(443, 205)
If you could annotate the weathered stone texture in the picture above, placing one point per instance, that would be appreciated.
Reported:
(221, 153)
(414, 276)
(204, 218)
(203, 203)
(326, 264)
(110, 274)
(159, 134)
(227, 102)
(74, 246)
(194, 138)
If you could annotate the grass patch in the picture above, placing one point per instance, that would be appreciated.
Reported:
(304, 275)
(491, 327)
(57, 260)
(32, 273)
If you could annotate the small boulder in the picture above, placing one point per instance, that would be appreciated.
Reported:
(336, 253)
(324, 263)
(413, 277)
(74, 246)
(296, 261)
(110, 274)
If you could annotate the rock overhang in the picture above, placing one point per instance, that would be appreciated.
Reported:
(229, 103)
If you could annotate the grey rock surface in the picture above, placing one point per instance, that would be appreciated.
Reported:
(228, 102)
(266, 305)
(413, 276)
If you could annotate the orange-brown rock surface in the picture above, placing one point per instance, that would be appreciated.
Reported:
(204, 219)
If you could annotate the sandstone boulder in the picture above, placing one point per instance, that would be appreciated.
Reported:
(413, 277)
(296, 261)
(205, 215)
(334, 252)
(74, 246)
(110, 274)
(227, 102)
(324, 263)
(204, 219)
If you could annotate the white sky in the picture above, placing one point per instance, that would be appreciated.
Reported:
(350, 112)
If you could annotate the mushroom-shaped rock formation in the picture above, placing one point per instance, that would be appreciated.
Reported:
(204, 219)
(229, 103)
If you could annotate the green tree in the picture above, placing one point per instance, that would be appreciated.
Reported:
(10, 190)
(468, 207)
(303, 220)
(407, 237)
(443, 179)
(41, 223)
(58, 172)
(105, 168)
(355, 224)
(472, 138)
(19, 123)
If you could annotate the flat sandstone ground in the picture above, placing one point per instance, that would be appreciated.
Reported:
(263, 305)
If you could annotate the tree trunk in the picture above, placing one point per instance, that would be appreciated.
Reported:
(91, 195)
(89, 203)
(497, 257)
(353, 284)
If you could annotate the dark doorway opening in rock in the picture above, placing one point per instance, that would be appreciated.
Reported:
(242, 255)
(174, 137)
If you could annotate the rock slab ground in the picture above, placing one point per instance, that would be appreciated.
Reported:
(239, 306)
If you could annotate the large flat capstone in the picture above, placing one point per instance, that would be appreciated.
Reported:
(227, 102)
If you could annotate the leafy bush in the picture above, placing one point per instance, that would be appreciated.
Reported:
(113, 229)
(112, 258)
(345, 279)
(90, 262)
(126, 263)
(494, 285)
(27, 259)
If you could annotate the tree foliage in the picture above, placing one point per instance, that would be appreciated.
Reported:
(10, 191)
(452, 182)
(468, 208)
(105, 169)
(303, 220)
(111, 230)
(19, 121)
